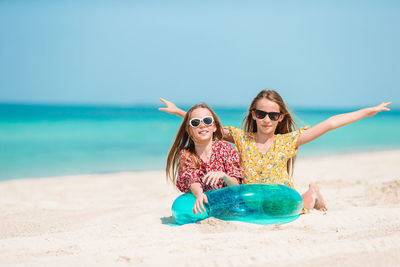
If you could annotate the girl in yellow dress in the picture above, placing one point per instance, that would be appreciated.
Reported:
(268, 142)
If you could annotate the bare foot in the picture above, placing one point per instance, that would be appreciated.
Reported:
(320, 203)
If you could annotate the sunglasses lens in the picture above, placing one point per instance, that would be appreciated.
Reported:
(274, 116)
(260, 114)
(195, 122)
(208, 120)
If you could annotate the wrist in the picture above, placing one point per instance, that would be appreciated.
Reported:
(368, 111)
(196, 189)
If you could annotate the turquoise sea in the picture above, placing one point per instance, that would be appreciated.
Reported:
(55, 140)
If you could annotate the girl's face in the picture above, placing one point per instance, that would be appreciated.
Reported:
(203, 133)
(266, 125)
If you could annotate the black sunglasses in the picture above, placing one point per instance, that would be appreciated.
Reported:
(195, 122)
(274, 116)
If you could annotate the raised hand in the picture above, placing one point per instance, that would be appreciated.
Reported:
(382, 107)
(171, 107)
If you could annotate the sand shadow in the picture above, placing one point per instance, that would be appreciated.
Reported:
(168, 221)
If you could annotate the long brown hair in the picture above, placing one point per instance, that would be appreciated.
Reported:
(287, 125)
(184, 141)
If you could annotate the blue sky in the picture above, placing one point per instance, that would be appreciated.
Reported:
(315, 53)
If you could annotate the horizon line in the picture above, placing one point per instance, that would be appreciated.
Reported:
(184, 105)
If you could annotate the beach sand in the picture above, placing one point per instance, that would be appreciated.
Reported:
(123, 219)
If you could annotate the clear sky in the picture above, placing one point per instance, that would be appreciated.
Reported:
(315, 53)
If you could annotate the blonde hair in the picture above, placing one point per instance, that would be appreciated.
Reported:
(184, 141)
(287, 125)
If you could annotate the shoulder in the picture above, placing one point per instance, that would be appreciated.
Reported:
(234, 130)
(185, 156)
(184, 152)
(239, 133)
(286, 135)
(295, 132)
(188, 160)
(291, 136)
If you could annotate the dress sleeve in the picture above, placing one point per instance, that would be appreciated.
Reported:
(232, 163)
(237, 135)
(289, 141)
(187, 173)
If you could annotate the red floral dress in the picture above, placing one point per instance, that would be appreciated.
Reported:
(223, 158)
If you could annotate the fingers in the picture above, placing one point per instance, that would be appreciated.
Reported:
(385, 106)
(169, 104)
(215, 181)
(170, 107)
(196, 207)
(386, 103)
(205, 199)
(164, 101)
(206, 177)
(202, 206)
(210, 178)
(381, 107)
(199, 206)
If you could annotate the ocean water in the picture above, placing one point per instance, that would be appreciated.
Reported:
(50, 140)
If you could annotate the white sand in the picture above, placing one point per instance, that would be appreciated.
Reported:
(121, 219)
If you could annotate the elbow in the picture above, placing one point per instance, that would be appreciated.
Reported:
(181, 188)
(331, 124)
(184, 189)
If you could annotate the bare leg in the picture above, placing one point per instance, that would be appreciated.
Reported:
(312, 198)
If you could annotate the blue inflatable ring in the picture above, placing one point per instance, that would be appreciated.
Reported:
(253, 203)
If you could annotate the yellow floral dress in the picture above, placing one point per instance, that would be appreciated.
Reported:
(269, 167)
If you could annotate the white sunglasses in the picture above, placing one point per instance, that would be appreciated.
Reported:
(195, 122)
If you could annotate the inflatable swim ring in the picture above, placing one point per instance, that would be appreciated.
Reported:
(253, 203)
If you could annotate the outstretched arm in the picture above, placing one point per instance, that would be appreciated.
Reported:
(339, 121)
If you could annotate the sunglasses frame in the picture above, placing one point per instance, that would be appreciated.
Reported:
(269, 114)
(202, 121)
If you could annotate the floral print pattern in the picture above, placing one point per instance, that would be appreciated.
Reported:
(269, 167)
(223, 158)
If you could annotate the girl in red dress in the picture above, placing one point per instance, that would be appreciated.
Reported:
(199, 160)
